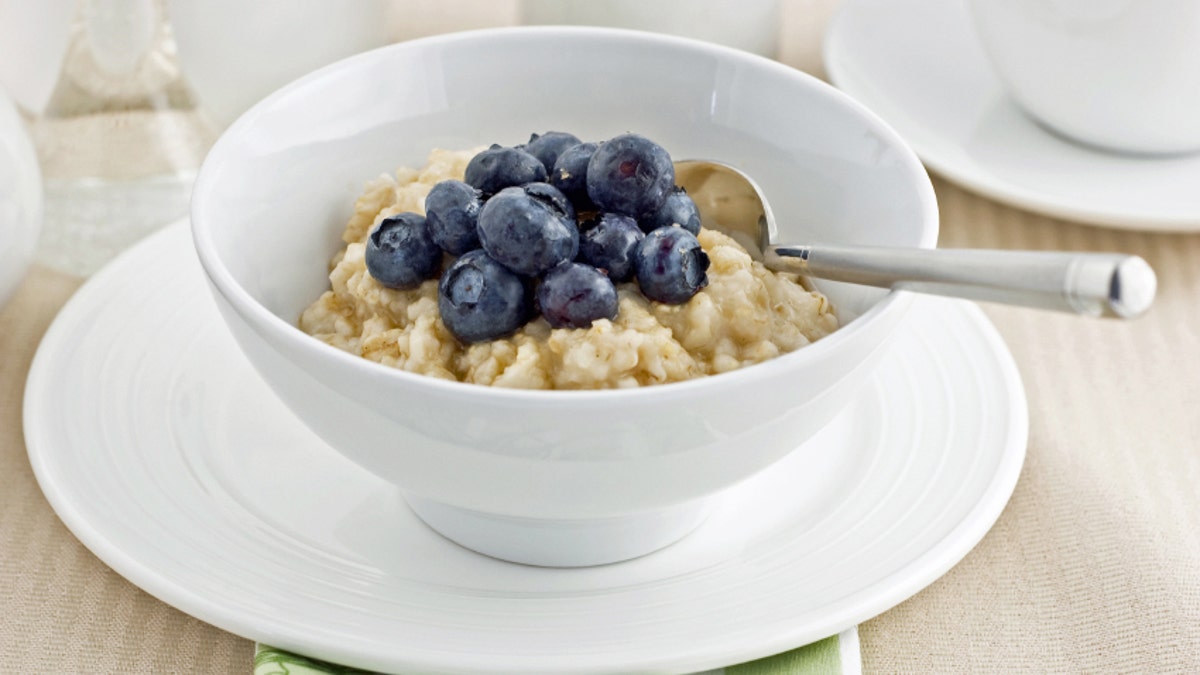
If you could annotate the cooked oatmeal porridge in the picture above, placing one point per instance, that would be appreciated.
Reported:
(746, 315)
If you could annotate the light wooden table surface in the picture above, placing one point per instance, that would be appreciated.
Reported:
(1093, 567)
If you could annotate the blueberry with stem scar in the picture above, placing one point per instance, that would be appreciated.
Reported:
(574, 295)
(630, 175)
(479, 299)
(671, 266)
(452, 211)
(497, 168)
(548, 146)
(610, 243)
(678, 209)
(527, 230)
(570, 174)
(400, 253)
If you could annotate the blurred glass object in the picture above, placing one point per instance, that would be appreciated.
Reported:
(119, 138)
(751, 25)
(20, 198)
(235, 52)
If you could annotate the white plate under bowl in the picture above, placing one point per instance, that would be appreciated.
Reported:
(161, 449)
(919, 66)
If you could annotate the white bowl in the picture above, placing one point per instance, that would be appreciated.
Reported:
(551, 478)
(20, 199)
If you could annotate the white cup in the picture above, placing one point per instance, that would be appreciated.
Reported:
(1122, 75)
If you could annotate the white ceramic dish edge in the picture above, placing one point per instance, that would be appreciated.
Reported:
(971, 530)
(977, 179)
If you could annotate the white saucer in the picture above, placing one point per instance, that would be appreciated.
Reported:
(160, 448)
(916, 63)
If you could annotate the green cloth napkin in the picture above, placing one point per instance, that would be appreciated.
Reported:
(837, 655)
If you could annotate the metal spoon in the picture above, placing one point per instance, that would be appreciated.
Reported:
(1092, 284)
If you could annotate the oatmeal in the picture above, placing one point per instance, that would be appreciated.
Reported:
(746, 314)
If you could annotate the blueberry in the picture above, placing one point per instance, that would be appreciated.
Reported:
(480, 299)
(570, 174)
(678, 209)
(527, 231)
(630, 175)
(549, 193)
(497, 168)
(671, 265)
(549, 146)
(609, 243)
(452, 211)
(573, 295)
(400, 253)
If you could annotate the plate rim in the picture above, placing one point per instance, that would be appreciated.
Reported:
(967, 174)
(896, 587)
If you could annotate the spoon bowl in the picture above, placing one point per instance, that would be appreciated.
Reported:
(1091, 284)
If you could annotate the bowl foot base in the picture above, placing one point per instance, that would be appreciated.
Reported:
(562, 543)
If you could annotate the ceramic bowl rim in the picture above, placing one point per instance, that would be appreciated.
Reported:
(260, 318)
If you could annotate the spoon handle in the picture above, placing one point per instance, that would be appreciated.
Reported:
(1092, 284)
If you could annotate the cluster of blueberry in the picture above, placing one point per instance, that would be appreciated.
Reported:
(547, 227)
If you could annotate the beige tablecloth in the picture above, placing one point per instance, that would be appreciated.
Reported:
(1093, 567)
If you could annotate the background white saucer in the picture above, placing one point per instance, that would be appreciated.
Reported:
(161, 449)
(917, 64)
